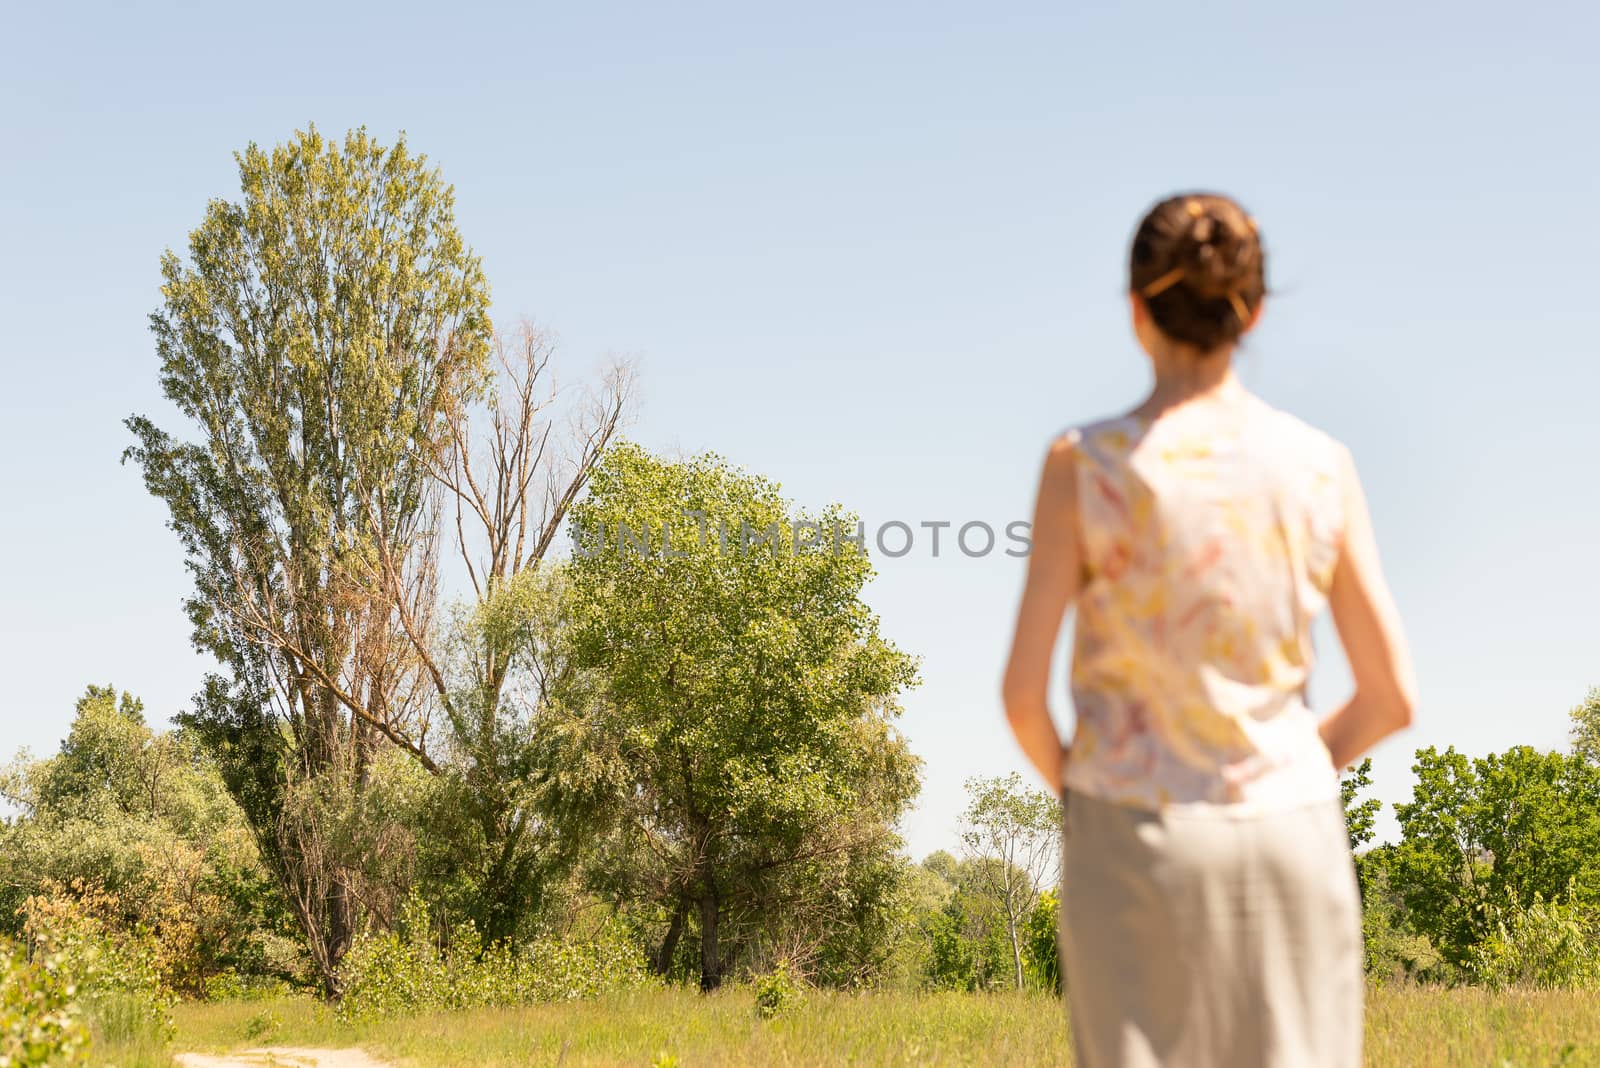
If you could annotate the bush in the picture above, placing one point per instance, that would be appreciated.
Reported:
(1547, 944)
(243, 986)
(777, 990)
(262, 1025)
(142, 818)
(407, 971)
(1041, 955)
(114, 972)
(40, 1023)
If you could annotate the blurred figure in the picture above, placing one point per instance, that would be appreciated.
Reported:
(1210, 913)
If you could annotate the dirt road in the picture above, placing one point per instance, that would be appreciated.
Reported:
(282, 1057)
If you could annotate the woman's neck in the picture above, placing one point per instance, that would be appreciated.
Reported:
(1185, 379)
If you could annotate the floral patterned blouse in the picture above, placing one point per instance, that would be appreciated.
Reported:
(1210, 539)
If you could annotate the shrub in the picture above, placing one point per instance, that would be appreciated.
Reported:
(407, 971)
(142, 818)
(262, 1025)
(115, 972)
(243, 986)
(40, 1022)
(1547, 944)
(777, 990)
(951, 963)
(1041, 955)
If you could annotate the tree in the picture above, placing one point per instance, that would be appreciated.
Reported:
(1494, 835)
(741, 735)
(1359, 816)
(320, 335)
(1586, 726)
(963, 927)
(1018, 831)
(138, 821)
(519, 455)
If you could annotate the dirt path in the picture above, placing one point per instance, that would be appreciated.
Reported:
(282, 1057)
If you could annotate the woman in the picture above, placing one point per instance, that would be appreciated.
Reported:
(1209, 905)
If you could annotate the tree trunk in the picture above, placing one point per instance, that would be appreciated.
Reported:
(662, 959)
(710, 957)
(1016, 950)
(342, 917)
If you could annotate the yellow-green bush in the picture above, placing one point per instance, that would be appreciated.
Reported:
(40, 1020)
(1551, 945)
(115, 973)
(408, 972)
(777, 990)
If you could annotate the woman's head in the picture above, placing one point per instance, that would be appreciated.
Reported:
(1198, 268)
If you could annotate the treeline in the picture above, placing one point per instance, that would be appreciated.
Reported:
(419, 713)
(1496, 876)
(126, 848)
(126, 854)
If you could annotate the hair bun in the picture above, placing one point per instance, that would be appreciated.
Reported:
(1198, 263)
(1218, 255)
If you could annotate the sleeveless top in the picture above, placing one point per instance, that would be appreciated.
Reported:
(1209, 541)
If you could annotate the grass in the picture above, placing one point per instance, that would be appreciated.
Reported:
(1410, 1027)
(123, 1033)
(1434, 1028)
(639, 1027)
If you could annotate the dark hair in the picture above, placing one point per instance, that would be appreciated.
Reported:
(1198, 263)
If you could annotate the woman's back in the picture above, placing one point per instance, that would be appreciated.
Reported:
(1209, 536)
(1199, 537)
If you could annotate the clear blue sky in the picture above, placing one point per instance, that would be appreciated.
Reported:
(873, 251)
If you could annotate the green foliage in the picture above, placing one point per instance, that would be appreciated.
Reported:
(1586, 726)
(968, 947)
(497, 833)
(237, 986)
(1545, 944)
(410, 970)
(1041, 944)
(777, 990)
(740, 738)
(1394, 951)
(952, 961)
(1484, 838)
(1360, 815)
(40, 1021)
(263, 1025)
(139, 820)
(115, 972)
(317, 337)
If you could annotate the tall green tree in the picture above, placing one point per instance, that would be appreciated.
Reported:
(1014, 833)
(1493, 835)
(742, 737)
(317, 337)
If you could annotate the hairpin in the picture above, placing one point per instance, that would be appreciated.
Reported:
(1164, 283)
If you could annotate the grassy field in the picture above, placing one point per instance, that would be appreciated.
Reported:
(1406, 1028)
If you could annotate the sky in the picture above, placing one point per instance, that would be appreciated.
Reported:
(874, 252)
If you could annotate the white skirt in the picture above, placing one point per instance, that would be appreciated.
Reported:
(1209, 941)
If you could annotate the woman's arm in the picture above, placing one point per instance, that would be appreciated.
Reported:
(1369, 629)
(1054, 578)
